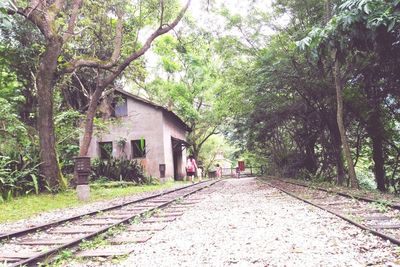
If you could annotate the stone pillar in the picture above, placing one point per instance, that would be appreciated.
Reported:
(82, 171)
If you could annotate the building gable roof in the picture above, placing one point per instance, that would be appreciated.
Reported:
(156, 106)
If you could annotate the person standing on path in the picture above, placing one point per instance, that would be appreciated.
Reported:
(237, 172)
(191, 168)
(219, 171)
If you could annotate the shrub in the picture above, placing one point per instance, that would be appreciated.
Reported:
(19, 175)
(365, 179)
(118, 170)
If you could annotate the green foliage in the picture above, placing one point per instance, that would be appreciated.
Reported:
(97, 242)
(192, 83)
(366, 180)
(58, 260)
(19, 176)
(213, 147)
(19, 162)
(118, 170)
(67, 129)
(14, 135)
(281, 98)
(381, 206)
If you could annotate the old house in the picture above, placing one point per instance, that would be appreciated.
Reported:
(145, 131)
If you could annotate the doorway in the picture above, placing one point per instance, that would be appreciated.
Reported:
(177, 148)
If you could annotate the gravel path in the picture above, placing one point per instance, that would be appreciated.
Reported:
(246, 223)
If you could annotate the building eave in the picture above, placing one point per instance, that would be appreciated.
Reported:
(156, 106)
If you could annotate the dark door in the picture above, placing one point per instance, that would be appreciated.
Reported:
(175, 156)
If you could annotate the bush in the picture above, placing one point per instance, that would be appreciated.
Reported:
(365, 179)
(19, 154)
(19, 175)
(118, 170)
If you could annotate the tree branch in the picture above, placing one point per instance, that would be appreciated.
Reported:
(162, 13)
(96, 63)
(214, 131)
(145, 47)
(72, 20)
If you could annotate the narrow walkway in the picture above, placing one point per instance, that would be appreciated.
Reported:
(246, 223)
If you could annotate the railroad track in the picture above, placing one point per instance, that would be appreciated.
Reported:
(379, 218)
(35, 245)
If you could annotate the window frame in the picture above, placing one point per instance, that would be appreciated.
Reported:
(140, 154)
(103, 151)
(115, 105)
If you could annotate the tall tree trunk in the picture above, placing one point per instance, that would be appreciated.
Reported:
(342, 130)
(328, 11)
(46, 77)
(339, 167)
(90, 114)
(195, 151)
(310, 159)
(336, 146)
(375, 132)
(118, 69)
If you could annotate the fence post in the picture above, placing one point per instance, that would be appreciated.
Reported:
(251, 170)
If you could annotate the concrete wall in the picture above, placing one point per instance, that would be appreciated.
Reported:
(156, 127)
(143, 121)
(172, 129)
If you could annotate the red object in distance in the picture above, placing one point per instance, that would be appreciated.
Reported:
(241, 166)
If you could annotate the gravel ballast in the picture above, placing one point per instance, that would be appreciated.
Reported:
(58, 214)
(246, 223)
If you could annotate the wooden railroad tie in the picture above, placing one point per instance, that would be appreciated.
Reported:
(110, 251)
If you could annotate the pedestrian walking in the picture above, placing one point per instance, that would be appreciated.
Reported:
(191, 168)
(219, 171)
(237, 172)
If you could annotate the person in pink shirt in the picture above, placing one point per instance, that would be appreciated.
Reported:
(219, 171)
(191, 168)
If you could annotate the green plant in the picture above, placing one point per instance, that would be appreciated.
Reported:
(118, 170)
(135, 220)
(19, 175)
(60, 258)
(357, 219)
(381, 205)
(148, 214)
(121, 143)
(365, 179)
(98, 241)
(149, 180)
(116, 259)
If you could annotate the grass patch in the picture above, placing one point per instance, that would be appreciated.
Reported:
(27, 206)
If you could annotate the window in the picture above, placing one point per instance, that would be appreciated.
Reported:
(120, 106)
(105, 150)
(138, 148)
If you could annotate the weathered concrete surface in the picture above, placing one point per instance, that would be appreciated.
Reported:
(83, 192)
(154, 125)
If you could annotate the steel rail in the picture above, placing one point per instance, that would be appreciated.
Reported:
(374, 232)
(370, 200)
(77, 217)
(35, 260)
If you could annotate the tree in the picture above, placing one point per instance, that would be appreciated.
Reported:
(357, 34)
(58, 23)
(190, 86)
